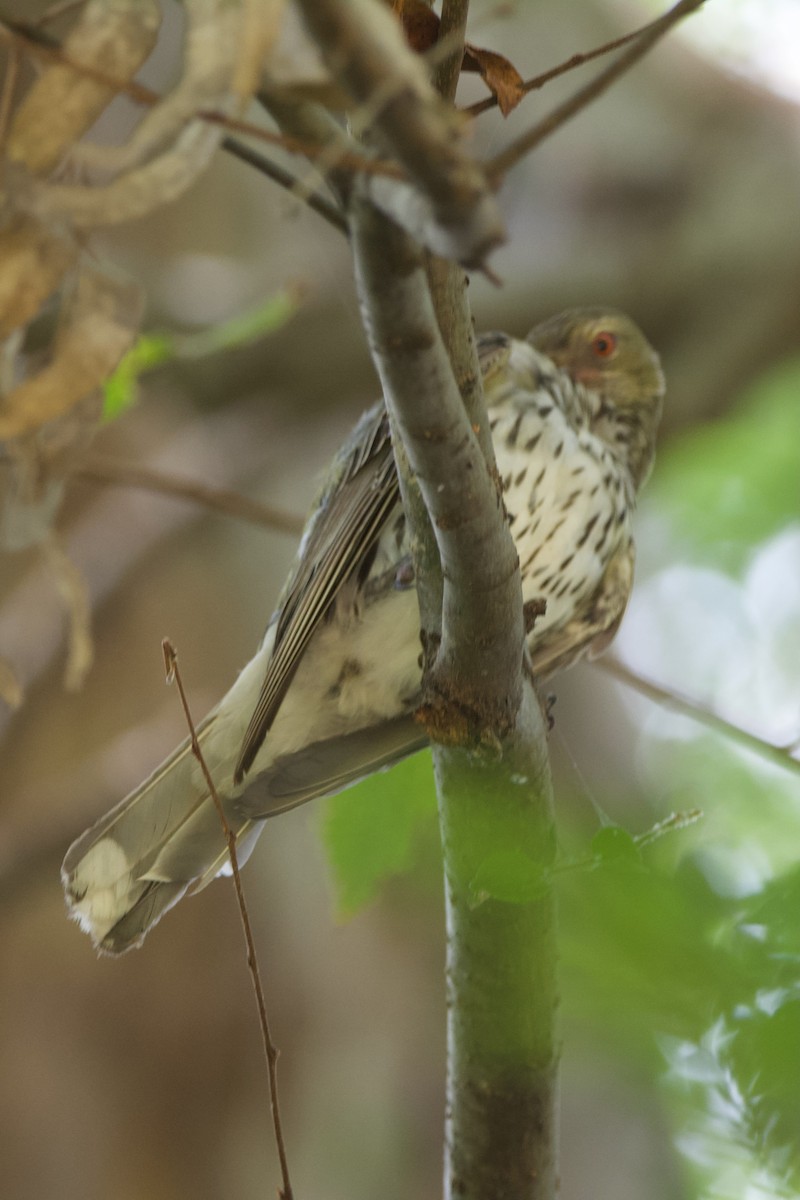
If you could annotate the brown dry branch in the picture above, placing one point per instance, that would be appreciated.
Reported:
(781, 756)
(452, 32)
(316, 201)
(270, 1050)
(499, 166)
(217, 499)
(574, 61)
(214, 44)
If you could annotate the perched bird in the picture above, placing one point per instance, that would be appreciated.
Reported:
(330, 695)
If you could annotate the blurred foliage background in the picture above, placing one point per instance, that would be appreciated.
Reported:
(675, 198)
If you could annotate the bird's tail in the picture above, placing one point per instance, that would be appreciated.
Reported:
(161, 841)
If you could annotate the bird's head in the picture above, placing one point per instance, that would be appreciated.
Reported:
(605, 351)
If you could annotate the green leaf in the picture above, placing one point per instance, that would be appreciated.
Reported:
(370, 830)
(241, 329)
(119, 390)
(732, 483)
(612, 842)
(155, 349)
(511, 876)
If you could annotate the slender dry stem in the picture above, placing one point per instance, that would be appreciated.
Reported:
(270, 1050)
(781, 756)
(576, 60)
(498, 166)
(223, 500)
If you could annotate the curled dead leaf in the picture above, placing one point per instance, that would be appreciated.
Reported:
(421, 26)
(33, 261)
(63, 103)
(500, 76)
(98, 326)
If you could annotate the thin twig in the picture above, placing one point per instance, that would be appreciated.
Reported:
(452, 29)
(321, 205)
(577, 60)
(173, 673)
(498, 166)
(233, 504)
(42, 46)
(780, 755)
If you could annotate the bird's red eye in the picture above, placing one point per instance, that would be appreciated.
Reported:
(604, 344)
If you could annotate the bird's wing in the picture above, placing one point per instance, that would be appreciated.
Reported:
(339, 543)
(594, 628)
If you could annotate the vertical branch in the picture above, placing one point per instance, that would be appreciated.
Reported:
(452, 31)
(498, 835)
(489, 750)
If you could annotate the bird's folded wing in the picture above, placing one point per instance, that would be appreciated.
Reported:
(339, 543)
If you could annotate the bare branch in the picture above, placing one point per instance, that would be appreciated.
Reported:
(576, 60)
(781, 756)
(482, 605)
(213, 47)
(498, 166)
(223, 500)
(270, 1051)
(452, 31)
(488, 742)
(320, 204)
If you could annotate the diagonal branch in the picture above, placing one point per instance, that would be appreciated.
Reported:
(316, 201)
(498, 166)
(219, 499)
(575, 60)
(781, 756)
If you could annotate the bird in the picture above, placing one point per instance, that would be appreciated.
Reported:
(330, 695)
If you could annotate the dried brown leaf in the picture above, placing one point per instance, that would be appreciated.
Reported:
(116, 35)
(421, 27)
(500, 76)
(99, 325)
(33, 261)
(420, 23)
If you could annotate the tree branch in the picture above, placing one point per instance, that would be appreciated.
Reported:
(452, 31)
(575, 60)
(320, 204)
(223, 500)
(781, 756)
(452, 206)
(489, 750)
(498, 166)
